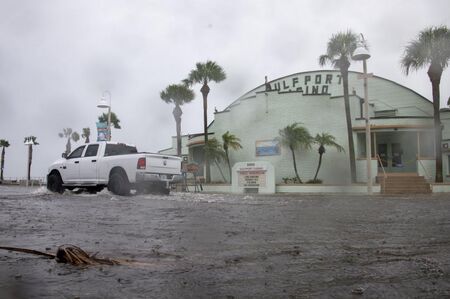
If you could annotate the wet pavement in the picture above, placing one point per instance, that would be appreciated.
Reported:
(191, 245)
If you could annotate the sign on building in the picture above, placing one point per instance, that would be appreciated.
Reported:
(267, 147)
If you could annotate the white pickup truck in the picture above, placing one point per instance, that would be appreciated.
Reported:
(117, 166)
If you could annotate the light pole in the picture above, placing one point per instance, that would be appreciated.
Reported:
(361, 53)
(103, 103)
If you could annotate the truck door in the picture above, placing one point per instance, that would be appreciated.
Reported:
(71, 169)
(88, 164)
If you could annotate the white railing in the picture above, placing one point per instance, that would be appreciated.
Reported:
(428, 177)
(382, 168)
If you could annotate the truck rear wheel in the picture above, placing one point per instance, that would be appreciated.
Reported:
(118, 184)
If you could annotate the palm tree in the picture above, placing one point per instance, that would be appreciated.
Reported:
(30, 141)
(4, 144)
(70, 135)
(432, 49)
(295, 137)
(203, 74)
(230, 141)
(340, 48)
(323, 140)
(86, 134)
(215, 153)
(177, 94)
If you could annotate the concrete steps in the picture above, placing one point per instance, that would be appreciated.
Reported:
(404, 184)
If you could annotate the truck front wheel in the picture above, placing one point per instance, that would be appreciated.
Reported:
(54, 183)
(118, 184)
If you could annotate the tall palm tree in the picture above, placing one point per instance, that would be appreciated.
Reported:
(4, 144)
(86, 134)
(340, 48)
(70, 135)
(323, 140)
(432, 49)
(203, 74)
(230, 141)
(295, 137)
(177, 94)
(30, 141)
(215, 153)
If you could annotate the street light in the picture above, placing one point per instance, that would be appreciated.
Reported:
(103, 103)
(361, 53)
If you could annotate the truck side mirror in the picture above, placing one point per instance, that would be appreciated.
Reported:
(64, 155)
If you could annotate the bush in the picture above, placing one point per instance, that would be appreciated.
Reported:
(293, 180)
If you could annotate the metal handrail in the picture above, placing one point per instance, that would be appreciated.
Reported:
(382, 168)
(425, 170)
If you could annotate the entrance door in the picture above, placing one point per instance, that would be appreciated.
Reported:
(391, 156)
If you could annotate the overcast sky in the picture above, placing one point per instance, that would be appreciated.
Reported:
(57, 58)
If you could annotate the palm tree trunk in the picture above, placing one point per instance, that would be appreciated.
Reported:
(177, 115)
(351, 146)
(205, 90)
(220, 170)
(318, 167)
(295, 165)
(435, 77)
(68, 146)
(2, 163)
(229, 166)
(30, 158)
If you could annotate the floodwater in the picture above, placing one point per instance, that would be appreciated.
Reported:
(192, 245)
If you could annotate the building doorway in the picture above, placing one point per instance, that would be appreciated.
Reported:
(397, 151)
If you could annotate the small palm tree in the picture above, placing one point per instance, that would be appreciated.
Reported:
(177, 94)
(70, 135)
(215, 153)
(323, 140)
(30, 141)
(203, 74)
(432, 49)
(86, 134)
(230, 141)
(340, 49)
(295, 137)
(4, 144)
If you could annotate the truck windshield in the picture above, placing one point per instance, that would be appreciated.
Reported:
(119, 149)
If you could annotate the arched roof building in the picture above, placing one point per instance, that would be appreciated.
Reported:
(401, 123)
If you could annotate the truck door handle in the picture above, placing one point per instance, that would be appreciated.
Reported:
(76, 162)
(94, 161)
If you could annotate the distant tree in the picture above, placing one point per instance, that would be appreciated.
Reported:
(70, 135)
(30, 141)
(295, 137)
(203, 74)
(86, 134)
(215, 153)
(3, 144)
(340, 49)
(230, 141)
(325, 139)
(177, 94)
(432, 49)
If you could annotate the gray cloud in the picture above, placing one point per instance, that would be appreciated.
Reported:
(57, 58)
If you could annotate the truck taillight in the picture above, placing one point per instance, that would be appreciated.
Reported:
(141, 164)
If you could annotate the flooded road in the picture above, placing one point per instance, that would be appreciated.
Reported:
(191, 245)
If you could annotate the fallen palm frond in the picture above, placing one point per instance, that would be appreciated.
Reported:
(68, 254)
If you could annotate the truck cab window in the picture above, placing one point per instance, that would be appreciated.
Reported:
(91, 150)
(76, 153)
